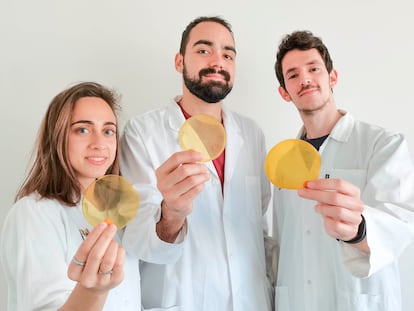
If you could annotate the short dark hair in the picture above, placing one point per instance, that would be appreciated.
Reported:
(300, 40)
(186, 33)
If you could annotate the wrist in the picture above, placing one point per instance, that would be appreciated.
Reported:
(362, 232)
(171, 217)
(168, 228)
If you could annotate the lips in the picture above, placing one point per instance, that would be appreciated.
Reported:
(97, 160)
(215, 74)
(215, 77)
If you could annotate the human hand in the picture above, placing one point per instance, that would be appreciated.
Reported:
(180, 179)
(99, 261)
(339, 203)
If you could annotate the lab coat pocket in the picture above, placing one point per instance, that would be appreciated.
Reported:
(360, 302)
(354, 176)
(282, 298)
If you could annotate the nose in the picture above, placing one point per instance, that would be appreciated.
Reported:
(306, 80)
(216, 61)
(98, 141)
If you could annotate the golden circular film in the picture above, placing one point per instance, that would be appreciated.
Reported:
(204, 134)
(113, 197)
(292, 162)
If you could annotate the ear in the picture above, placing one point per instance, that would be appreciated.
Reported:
(333, 78)
(285, 95)
(179, 62)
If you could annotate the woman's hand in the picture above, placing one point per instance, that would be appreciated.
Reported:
(99, 261)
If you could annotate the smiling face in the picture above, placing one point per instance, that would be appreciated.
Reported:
(92, 141)
(307, 82)
(208, 64)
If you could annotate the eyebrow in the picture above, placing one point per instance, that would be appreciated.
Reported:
(209, 43)
(90, 122)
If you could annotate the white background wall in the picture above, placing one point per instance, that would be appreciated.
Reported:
(130, 45)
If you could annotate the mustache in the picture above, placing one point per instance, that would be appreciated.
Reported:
(206, 71)
(306, 87)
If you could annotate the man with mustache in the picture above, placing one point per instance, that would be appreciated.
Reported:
(340, 236)
(207, 219)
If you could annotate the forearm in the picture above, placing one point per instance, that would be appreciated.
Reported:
(167, 227)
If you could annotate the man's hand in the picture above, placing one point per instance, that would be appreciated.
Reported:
(339, 203)
(180, 179)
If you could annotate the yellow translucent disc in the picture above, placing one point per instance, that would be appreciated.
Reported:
(204, 134)
(113, 197)
(292, 162)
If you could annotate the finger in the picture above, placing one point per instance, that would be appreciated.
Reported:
(108, 260)
(118, 267)
(338, 185)
(339, 213)
(192, 178)
(332, 198)
(114, 276)
(80, 258)
(83, 250)
(178, 159)
(179, 174)
(187, 178)
(98, 250)
(340, 230)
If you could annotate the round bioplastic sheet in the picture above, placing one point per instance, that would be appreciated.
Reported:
(292, 162)
(204, 134)
(111, 196)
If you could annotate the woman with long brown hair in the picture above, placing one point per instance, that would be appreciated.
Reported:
(52, 258)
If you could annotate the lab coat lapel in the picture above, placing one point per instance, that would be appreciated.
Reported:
(175, 118)
(234, 144)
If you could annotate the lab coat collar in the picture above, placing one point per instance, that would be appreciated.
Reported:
(175, 117)
(342, 129)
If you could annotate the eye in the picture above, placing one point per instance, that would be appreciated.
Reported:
(315, 69)
(292, 76)
(109, 132)
(82, 130)
(202, 51)
(228, 57)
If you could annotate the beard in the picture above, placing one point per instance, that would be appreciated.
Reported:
(212, 91)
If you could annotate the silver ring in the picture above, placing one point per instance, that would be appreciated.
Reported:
(105, 273)
(77, 262)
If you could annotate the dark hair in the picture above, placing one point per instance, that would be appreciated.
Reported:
(300, 40)
(51, 174)
(186, 33)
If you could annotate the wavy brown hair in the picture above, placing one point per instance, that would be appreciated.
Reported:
(300, 40)
(51, 174)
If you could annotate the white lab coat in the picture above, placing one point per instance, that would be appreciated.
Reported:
(316, 272)
(38, 241)
(219, 264)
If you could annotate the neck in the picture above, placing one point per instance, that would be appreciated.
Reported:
(320, 124)
(194, 105)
